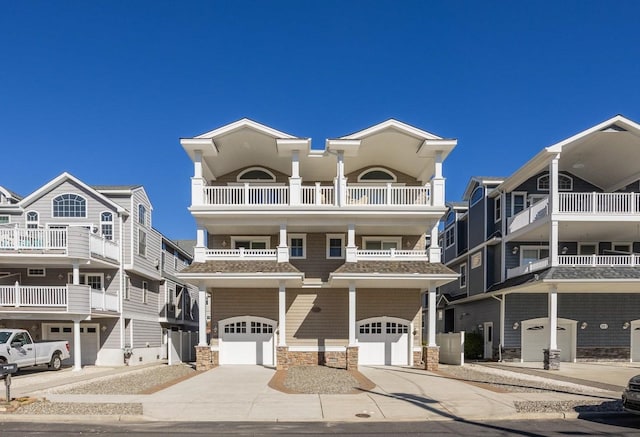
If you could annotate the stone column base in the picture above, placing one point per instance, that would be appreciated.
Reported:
(431, 356)
(206, 358)
(552, 359)
(282, 358)
(352, 357)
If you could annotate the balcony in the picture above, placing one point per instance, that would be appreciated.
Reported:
(242, 254)
(67, 298)
(316, 195)
(528, 268)
(535, 212)
(631, 260)
(73, 241)
(599, 203)
(392, 255)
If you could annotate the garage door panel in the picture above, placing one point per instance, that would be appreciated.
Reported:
(383, 342)
(89, 340)
(247, 341)
(535, 338)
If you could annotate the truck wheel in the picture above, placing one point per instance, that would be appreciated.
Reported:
(56, 362)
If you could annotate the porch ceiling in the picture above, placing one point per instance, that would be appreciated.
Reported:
(585, 232)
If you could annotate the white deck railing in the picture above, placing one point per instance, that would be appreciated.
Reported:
(392, 255)
(101, 300)
(317, 195)
(38, 239)
(537, 211)
(528, 268)
(246, 195)
(33, 296)
(245, 254)
(388, 195)
(103, 247)
(599, 260)
(599, 203)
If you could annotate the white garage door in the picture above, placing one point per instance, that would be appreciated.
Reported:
(247, 340)
(535, 338)
(383, 341)
(635, 341)
(89, 339)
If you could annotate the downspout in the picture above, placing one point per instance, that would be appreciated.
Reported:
(122, 282)
(502, 317)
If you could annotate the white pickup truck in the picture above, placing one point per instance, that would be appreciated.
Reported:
(17, 346)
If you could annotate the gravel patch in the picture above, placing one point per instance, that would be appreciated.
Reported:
(579, 406)
(320, 380)
(72, 408)
(512, 382)
(134, 382)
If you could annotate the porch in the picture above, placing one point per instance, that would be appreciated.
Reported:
(68, 298)
(272, 255)
(631, 260)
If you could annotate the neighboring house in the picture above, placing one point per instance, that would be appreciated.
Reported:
(82, 263)
(316, 256)
(551, 258)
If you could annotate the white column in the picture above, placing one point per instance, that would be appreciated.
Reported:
(76, 272)
(341, 185)
(202, 315)
(437, 183)
(553, 199)
(283, 245)
(435, 253)
(197, 181)
(295, 181)
(200, 249)
(553, 318)
(282, 315)
(553, 243)
(502, 317)
(351, 249)
(503, 230)
(77, 346)
(169, 348)
(352, 314)
(431, 332)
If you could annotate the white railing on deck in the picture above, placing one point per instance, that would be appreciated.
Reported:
(599, 260)
(527, 216)
(33, 296)
(242, 253)
(246, 195)
(100, 300)
(528, 268)
(599, 203)
(388, 195)
(317, 195)
(392, 255)
(103, 247)
(40, 239)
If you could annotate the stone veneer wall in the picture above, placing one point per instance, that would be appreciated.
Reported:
(603, 354)
(511, 354)
(417, 359)
(431, 357)
(287, 358)
(206, 358)
(352, 358)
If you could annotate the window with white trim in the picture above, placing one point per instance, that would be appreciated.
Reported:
(497, 208)
(145, 291)
(36, 272)
(463, 275)
(261, 328)
(451, 218)
(297, 246)
(449, 237)
(250, 242)
(235, 328)
(371, 328)
(476, 196)
(142, 215)
(531, 254)
(127, 288)
(106, 225)
(142, 243)
(335, 246)
(565, 183)
(69, 205)
(94, 280)
(32, 220)
(4, 219)
(377, 174)
(256, 174)
(518, 202)
(621, 247)
(588, 249)
(382, 243)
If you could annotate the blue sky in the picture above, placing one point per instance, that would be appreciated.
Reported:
(105, 89)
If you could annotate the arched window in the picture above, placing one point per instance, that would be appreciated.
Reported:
(256, 174)
(476, 196)
(451, 217)
(565, 183)
(32, 220)
(69, 205)
(376, 175)
(106, 225)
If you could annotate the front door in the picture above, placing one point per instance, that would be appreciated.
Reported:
(488, 340)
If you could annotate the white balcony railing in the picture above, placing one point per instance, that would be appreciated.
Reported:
(32, 296)
(392, 255)
(103, 247)
(528, 268)
(39, 239)
(242, 253)
(375, 195)
(537, 211)
(101, 300)
(631, 260)
(599, 203)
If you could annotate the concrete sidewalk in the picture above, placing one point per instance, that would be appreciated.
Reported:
(241, 393)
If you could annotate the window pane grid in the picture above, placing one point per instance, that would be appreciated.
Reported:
(69, 205)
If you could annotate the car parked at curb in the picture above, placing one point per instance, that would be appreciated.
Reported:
(631, 396)
(17, 347)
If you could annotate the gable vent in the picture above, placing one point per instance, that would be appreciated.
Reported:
(613, 128)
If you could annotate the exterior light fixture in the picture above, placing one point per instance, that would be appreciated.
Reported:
(625, 325)
(516, 325)
(584, 325)
(565, 249)
(515, 250)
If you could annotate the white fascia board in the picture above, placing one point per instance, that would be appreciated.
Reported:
(429, 148)
(205, 145)
(391, 123)
(244, 123)
(350, 147)
(286, 146)
(59, 180)
(256, 275)
(618, 119)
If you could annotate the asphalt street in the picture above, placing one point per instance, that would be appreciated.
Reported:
(606, 425)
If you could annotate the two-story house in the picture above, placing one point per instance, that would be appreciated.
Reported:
(316, 256)
(550, 269)
(82, 263)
